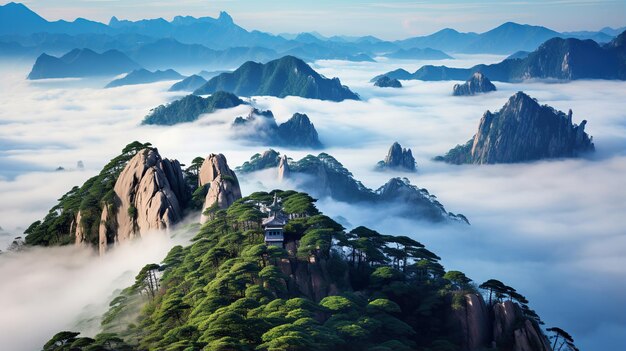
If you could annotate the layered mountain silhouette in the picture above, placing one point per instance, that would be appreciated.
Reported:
(143, 76)
(219, 43)
(82, 63)
(190, 83)
(287, 76)
(557, 58)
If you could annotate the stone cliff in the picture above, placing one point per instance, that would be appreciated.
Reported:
(223, 186)
(501, 326)
(149, 194)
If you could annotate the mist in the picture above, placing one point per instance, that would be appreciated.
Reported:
(554, 230)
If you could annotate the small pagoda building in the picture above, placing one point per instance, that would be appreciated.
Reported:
(274, 224)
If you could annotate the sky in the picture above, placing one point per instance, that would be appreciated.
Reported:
(384, 19)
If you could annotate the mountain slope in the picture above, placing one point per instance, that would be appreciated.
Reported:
(143, 76)
(557, 58)
(322, 288)
(190, 83)
(189, 108)
(287, 76)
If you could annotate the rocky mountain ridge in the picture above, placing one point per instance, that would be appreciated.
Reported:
(522, 131)
(324, 176)
(557, 58)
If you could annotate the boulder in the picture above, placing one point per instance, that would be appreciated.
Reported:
(222, 182)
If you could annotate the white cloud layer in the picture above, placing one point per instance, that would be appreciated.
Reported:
(553, 230)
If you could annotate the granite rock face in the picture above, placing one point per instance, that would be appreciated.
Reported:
(283, 168)
(386, 82)
(477, 84)
(398, 158)
(511, 327)
(501, 326)
(150, 194)
(522, 131)
(223, 186)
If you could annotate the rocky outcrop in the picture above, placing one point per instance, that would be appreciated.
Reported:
(522, 131)
(386, 82)
(398, 158)
(223, 186)
(149, 195)
(477, 84)
(261, 127)
(80, 230)
(283, 168)
(512, 330)
(502, 326)
(298, 131)
(474, 323)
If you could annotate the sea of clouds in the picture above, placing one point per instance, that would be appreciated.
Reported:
(554, 230)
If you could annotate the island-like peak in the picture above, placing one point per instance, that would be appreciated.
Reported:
(386, 82)
(477, 84)
(522, 131)
(287, 76)
(398, 158)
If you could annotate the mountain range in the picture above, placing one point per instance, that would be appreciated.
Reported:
(183, 40)
(557, 58)
(82, 63)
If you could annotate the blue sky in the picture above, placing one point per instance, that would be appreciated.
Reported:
(385, 19)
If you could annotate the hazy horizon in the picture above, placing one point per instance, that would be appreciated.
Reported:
(387, 20)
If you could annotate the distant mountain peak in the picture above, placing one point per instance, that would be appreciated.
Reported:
(225, 18)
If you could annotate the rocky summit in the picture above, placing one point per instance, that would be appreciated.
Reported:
(477, 84)
(150, 194)
(398, 158)
(223, 186)
(522, 131)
